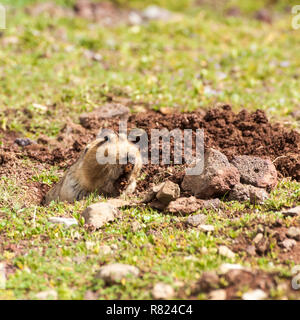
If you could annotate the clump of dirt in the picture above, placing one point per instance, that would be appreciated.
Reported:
(233, 134)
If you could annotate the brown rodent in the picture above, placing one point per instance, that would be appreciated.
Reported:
(90, 173)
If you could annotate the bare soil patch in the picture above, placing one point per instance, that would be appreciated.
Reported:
(233, 134)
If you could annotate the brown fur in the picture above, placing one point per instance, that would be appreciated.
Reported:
(87, 175)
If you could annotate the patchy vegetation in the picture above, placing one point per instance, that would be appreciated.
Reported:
(58, 64)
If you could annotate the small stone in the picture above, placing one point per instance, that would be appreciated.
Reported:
(204, 250)
(217, 295)
(194, 221)
(251, 250)
(209, 280)
(154, 12)
(169, 191)
(93, 55)
(245, 192)
(226, 252)
(225, 267)
(90, 295)
(256, 171)
(258, 195)
(216, 179)
(288, 244)
(294, 233)
(212, 204)
(99, 214)
(47, 295)
(206, 228)
(185, 205)
(258, 238)
(257, 294)
(162, 291)
(240, 192)
(68, 222)
(291, 212)
(134, 18)
(104, 250)
(23, 142)
(114, 273)
(136, 226)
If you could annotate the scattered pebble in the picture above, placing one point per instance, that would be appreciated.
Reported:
(256, 171)
(294, 233)
(257, 294)
(104, 250)
(217, 295)
(162, 291)
(258, 238)
(23, 142)
(169, 191)
(68, 222)
(291, 212)
(288, 244)
(197, 219)
(154, 12)
(114, 273)
(226, 252)
(47, 295)
(99, 214)
(216, 179)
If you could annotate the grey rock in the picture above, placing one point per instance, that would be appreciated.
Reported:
(206, 228)
(195, 220)
(169, 191)
(218, 177)
(217, 295)
(291, 212)
(257, 294)
(209, 280)
(256, 171)
(162, 291)
(226, 252)
(114, 273)
(47, 295)
(294, 233)
(154, 12)
(244, 192)
(99, 214)
(288, 244)
(23, 142)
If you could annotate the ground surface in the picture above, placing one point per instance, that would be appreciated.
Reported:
(213, 51)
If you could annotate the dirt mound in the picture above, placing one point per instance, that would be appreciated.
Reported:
(233, 134)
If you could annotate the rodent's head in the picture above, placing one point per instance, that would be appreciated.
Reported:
(111, 149)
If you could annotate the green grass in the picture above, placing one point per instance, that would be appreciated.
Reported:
(202, 59)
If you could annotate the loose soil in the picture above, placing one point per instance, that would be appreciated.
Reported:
(233, 134)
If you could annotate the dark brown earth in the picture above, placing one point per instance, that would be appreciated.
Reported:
(233, 134)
